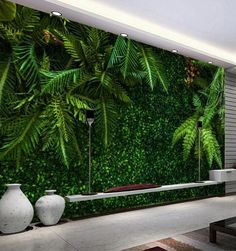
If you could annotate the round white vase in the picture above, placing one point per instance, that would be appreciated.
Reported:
(50, 208)
(16, 211)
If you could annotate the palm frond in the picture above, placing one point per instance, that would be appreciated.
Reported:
(53, 23)
(106, 118)
(118, 52)
(26, 61)
(197, 101)
(79, 30)
(74, 47)
(77, 103)
(148, 64)
(59, 129)
(7, 84)
(129, 62)
(151, 67)
(26, 19)
(4, 70)
(216, 89)
(97, 39)
(53, 82)
(24, 135)
(120, 93)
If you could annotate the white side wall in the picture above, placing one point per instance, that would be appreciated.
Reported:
(230, 126)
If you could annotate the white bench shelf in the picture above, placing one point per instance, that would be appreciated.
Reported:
(223, 175)
(79, 197)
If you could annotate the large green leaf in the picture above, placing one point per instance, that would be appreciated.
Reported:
(4, 69)
(106, 118)
(53, 82)
(23, 135)
(129, 62)
(27, 62)
(152, 67)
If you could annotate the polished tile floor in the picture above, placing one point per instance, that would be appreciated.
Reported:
(123, 230)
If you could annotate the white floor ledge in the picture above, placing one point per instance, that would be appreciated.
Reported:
(79, 197)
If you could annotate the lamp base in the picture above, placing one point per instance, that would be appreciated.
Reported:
(92, 193)
(199, 181)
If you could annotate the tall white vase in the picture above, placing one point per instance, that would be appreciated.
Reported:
(16, 211)
(50, 208)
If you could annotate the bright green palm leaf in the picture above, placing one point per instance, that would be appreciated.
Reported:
(74, 47)
(59, 132)
(129, 61)
(53, 82)
(106, 118)
(211, 146)
(118, 51)
(188, 142)
(184, 129)
(152, 67)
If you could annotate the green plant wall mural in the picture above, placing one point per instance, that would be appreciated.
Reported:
(52, 70)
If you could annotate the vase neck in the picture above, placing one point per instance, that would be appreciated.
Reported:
(50, 192)
(13, 186)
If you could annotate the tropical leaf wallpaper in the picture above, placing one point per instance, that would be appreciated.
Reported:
(146, 102)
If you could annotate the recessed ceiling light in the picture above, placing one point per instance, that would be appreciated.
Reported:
(209, 62)
(124, 34)
(175, 51)
(56, 13)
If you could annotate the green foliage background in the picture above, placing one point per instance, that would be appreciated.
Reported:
(140, 152)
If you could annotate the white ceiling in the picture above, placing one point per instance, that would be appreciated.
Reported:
(203, 29)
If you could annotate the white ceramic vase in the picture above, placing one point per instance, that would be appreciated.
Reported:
(50, 208)
(16, 211)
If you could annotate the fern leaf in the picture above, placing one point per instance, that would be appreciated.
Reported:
(210, 146)
(184, 128)
(188, 142)
(54, 82)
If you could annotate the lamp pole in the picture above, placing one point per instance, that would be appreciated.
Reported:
(90, 165)
(90, 120)
(199, 127)
(199, 153)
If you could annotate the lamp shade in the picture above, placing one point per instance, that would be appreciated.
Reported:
(89, 116)
(199, 124)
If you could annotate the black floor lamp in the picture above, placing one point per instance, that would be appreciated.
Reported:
(199, 128)
(90, 120)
